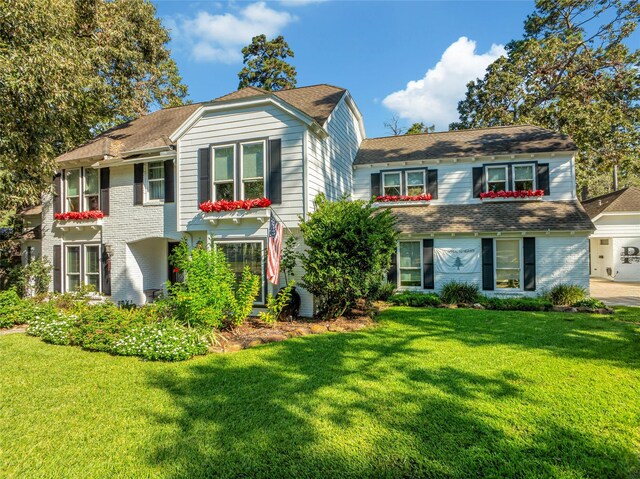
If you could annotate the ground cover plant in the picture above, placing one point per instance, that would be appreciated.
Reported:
(425, 393)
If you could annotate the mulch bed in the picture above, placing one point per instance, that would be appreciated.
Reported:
(254, 332)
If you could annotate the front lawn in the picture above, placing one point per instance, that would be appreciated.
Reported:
(426, 393)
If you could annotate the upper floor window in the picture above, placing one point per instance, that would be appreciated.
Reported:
(497, 178)
(223, 172)
(523, 177)
(82, 189)
(253, 170)
(391, 185)
(415, 181)
(155, 180)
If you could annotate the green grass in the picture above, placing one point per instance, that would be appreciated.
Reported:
(426, 393)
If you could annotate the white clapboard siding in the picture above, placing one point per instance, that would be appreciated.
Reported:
(611, 225)
(330, 159)
(241, 125)
(455, 180)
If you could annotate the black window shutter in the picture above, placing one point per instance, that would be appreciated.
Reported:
(392, 274)
(57, 268)
(375, 185)
(432, 183)
(57, 193)
(169, 182)
(478, 181)
(106, 272)
(204, 175)
(275, 171)
(138, 187)
(104, 190)
(428, 272)
(529, 253)
(543, 178)
(487, 264)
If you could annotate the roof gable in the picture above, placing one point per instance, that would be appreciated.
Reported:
(621, 201)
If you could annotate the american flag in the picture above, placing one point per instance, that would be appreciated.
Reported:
(274, 250)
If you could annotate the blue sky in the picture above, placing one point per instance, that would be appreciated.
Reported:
(408, 58)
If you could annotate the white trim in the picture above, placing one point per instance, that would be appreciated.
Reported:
(384, 174)
(244, 103)
(213, 171)
(85, 262)
(495, 167)
(420, 268)
(406, 181)
(614, 213)
(520, 265)
(81, 184)
(147, 200)
(66, 264)
(264, 167)
(534, 179)
(263, 258)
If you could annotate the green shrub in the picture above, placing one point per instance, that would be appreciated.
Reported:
(566, 294)
(161, 341)
(413, 298)
(384, 291)
(13, 309)
(517, 304)
(592, 303)
(455, 292)
(33, 278)
(349, 248)
(52, 325)
(276, 304)
(209, 296)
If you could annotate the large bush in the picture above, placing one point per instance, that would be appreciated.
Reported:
(13, 310)
(349, 248)
(32, 279)
(566, 294)
(456, 292)
(210, 295)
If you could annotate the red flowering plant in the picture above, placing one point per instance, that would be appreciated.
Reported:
(511, 194)
(79, 215)
(391, 199)
(226, 205)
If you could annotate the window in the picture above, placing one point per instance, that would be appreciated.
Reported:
(92, 266)
(253, 170)
(87, 181)
(82, 266)
(415, 181)
(391, 184)
(244, 254)
(73, 267)
(604, 242)
(508, 261)
(72, 191)
(410, 263)
(496, 178)
(223, 172)
(155, 181)
(91, 189)
(523, 178)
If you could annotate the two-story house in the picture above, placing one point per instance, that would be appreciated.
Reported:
(148, 178)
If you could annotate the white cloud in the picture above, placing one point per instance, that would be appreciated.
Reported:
(434, 98)
(299, 3)
(220, 37)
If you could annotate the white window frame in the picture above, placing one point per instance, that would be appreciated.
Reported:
(234, 175)
(147, 199)
(81, 198)
(263, 258)
(85, 263)
(264, 168)
(507, 186)
(388, 173)
(406, 181)
(420, 268)
(533, 175)
(66, 265)
(85, 207)
(520, 266)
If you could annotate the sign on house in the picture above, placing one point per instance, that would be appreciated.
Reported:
(457, 260)
(630, 254)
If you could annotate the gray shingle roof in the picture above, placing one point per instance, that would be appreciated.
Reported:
(463, 143)
(624, 200)
(153, 130)
(504, 216)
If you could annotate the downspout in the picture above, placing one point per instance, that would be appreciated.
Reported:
(305, 145)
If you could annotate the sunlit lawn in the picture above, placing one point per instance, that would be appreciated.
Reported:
(426, 393)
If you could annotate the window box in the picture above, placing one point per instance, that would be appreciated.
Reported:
(79, 219)
(403, 200)
(512, 195)
(257, 209)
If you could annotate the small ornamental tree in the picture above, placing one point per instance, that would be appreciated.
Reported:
(349, 248)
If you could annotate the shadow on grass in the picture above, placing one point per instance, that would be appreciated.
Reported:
(368, 405)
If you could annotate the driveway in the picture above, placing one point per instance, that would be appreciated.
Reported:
(615, 293)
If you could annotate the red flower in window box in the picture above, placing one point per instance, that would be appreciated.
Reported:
(391, 199)
(79, 215)
(225, 205)
(511, 194)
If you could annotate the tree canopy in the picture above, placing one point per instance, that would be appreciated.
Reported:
(68, 71)
(417, 128)
(266, 66)
(571, 72)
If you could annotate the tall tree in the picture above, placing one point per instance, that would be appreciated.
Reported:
(420, 127)
(573, 73)
(266, 66)
(70, 70)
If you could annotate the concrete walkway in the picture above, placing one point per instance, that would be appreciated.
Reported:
(16, 329)
(614, 293)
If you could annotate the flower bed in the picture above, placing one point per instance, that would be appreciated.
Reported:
(392, 199)
(511, 194)
(79, 215)
(225, 205)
